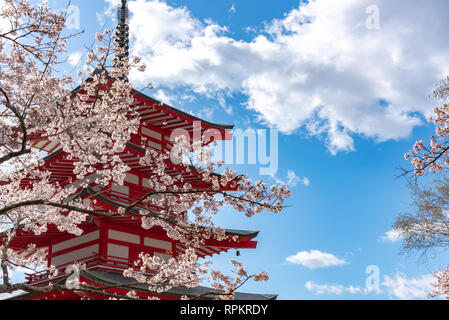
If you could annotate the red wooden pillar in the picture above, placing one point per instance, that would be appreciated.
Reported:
(103, 245)
(49, 255)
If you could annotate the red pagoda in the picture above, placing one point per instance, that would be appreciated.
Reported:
(108, 246)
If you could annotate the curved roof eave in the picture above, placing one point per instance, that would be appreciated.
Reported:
(230, 232)
(111, 278)
(182, 113)
(172, 109)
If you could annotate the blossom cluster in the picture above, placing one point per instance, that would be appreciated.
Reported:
(92, 125)
(434, 157)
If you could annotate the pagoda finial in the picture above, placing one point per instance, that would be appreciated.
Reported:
(123, 30)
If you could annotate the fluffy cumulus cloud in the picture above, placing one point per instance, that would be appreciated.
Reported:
(397, 286)
(402, 287)
(315, 259)
(392, 236)
(319, 67)
(292, 180)
(75, 58)
(109, 11)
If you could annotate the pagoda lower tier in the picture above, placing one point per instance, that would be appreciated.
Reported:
(118, 285)
(113, 244)
(115, 248)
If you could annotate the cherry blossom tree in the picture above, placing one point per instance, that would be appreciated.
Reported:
(435, 156)
(441, 285)
(428, 226)
(37, 101)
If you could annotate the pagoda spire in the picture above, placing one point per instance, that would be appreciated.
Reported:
(123, 30)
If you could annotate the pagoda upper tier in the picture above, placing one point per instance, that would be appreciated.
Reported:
(158, 122)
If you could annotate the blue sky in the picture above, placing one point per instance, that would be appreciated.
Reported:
(349, 98)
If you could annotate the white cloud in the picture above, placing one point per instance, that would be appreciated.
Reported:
(206, 113)
(398, 286)
(75, 58)
(315, 259)
(293, 179)
(110, 11)
(392, 236)
(306, 181)
(4, 23)
(163, 97)
(331, 289)
(401, 287)
(423, 229)
(318, 67)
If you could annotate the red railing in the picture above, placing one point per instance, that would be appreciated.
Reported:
(127, 198)
(95, 262)
(136, 194)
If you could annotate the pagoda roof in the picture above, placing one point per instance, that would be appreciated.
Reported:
(211, 246)
(98, 196)
(113, 279)
(61, 168)
(110, 278)
(181, 113)
(155, 115)
(161, 104)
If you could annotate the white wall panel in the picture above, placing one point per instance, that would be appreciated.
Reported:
(76, 241)
(155, 243)
(115, 250)
(76, 255)
(123, 236)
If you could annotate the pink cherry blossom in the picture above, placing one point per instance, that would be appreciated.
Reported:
(92, 126)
